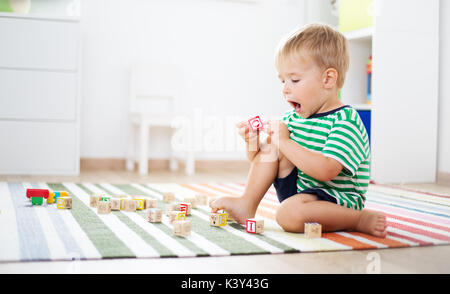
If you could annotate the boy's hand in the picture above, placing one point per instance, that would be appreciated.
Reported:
(277, 131)
(245, 132)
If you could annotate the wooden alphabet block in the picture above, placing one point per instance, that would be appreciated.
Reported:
(254, 226)
(255, 123)
(123, 200)
(229, 217)
(168, 197)
(154, 215)
(176, 215)
(130, 205)
(64, 202)
(150, 203)
(218, 219)
(93, 200)
(115, 204)
(313, 230)
(171, 207)
(201, 199)
(104, 207)
(140, 203)
(105, 198)
(191, 200)
(186, 207)
(182, 228)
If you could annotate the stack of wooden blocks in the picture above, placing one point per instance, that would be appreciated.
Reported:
(61, 198)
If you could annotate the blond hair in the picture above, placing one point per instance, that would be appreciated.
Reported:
(327, 47)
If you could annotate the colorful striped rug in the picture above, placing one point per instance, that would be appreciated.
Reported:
(31, 233)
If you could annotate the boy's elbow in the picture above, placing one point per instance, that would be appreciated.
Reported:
(333, 169)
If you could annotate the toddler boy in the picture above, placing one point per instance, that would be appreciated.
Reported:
(318, 156)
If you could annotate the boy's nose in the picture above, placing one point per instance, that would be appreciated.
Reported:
(286, 89)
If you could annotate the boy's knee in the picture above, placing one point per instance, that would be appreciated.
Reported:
(291, 219)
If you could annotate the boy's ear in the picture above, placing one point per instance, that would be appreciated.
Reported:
(330, 76)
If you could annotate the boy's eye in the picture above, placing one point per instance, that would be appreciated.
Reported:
(295, 81)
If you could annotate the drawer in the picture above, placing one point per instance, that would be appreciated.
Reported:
(38, 148)
(38, 95)
(39, 43)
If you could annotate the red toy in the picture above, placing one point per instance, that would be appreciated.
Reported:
(38, 193)
(255, 123)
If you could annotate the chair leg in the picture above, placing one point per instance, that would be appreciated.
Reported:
(131, 157)
(143, 149)
(190, 163)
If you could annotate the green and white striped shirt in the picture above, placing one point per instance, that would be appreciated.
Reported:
(339, 134)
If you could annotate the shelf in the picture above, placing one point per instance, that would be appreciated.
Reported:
(40, 17)
(364, 34)
(362, 106)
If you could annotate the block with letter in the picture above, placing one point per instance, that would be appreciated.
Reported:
(168, 197)
(104, 207)
(182, 228)
(150, 203)
(115, 203)
(140, 203)
(130, 205)
(64, 202)
(202, 199)
(254, 225)
(154, 215)
(186, 207)
(313, 230)
(175, 215)
(218, 219)
(93, 200)
(255, 123)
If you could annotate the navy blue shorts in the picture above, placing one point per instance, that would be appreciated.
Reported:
(286, 187)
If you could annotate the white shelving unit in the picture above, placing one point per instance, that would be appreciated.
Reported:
(39, 94)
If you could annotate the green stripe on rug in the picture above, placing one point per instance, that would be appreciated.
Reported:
(128, 189)
(106, 242)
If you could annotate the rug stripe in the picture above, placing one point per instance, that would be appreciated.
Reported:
(417, 230)
(391, 231)
(411, 190)
(417, 222)
(10, 244)
(427, 207)
(105, 240)
(362, 238)
(202, 191)
(355, 244)
(62, 230)
(33, 245)
(385, 241)
(408, 213)
(199, 250)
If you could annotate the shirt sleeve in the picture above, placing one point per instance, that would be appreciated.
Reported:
(286, 118)
(346, 144)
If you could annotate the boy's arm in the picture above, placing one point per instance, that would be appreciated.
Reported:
(313, 164)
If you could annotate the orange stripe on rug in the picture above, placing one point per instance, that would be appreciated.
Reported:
(197, 190)
(355, 244)
(385, 241)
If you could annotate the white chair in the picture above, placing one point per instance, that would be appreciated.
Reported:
(153, 101)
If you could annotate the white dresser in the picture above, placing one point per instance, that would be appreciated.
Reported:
(39, 94)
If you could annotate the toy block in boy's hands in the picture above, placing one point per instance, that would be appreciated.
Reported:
(115, 204)
(186, 207)
(201, 199)
(168, 197)
(313, 230)
(255, 123)
(175, 215)
(254, 226)
(218, 219)
(104, 207)
(154, 215)
(182, 228)
(130, 205)
(64, 202)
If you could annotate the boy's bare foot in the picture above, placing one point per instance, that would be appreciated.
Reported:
(236, 207)
(372, 223)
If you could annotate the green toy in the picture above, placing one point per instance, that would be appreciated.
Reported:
(37, 200)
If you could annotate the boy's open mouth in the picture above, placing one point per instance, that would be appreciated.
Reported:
(297, 106)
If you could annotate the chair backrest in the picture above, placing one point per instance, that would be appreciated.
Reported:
(154, 88)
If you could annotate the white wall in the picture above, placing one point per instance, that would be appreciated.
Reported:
(225, 50)
(444, 89)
